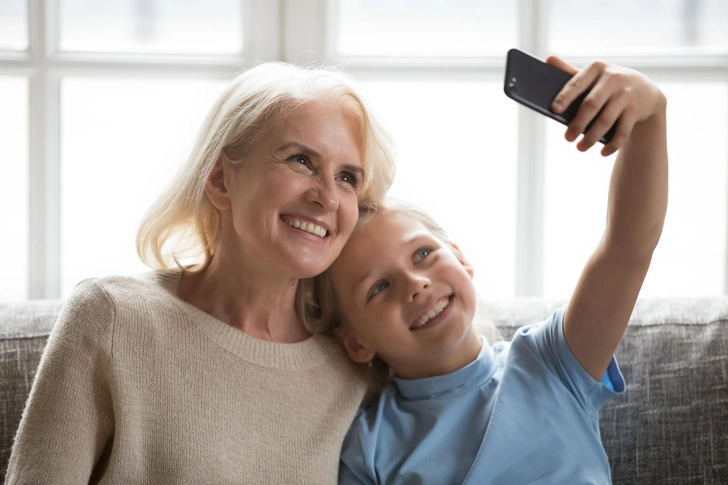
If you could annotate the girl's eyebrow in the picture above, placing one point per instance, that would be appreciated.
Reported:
(361, 280)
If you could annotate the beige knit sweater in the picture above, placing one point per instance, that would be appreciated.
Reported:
(138, 387)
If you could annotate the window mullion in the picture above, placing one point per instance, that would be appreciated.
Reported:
(262, 24)
(43, 150)
(532, 16)
(304, 26)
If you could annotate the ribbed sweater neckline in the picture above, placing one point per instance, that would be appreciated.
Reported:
(312, 352)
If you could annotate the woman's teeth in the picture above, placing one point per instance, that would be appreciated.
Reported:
(432, 313)
(309, 227)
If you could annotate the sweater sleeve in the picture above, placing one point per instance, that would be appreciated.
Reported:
(68, 420)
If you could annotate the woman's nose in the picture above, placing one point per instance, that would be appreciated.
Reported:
(324, 194)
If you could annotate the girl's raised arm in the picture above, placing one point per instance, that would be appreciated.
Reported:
(610, 282)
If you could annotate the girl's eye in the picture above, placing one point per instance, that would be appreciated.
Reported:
(421, 254)
(378, 287)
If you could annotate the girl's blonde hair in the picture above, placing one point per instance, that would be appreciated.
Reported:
(183, 223)
(324, 313)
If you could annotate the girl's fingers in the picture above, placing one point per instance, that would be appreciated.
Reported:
(559, 63)
(579, 83)
(590, 108)
(604, 120)
(624, 128)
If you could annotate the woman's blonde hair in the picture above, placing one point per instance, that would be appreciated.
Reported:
(324, 314)
(183, 223)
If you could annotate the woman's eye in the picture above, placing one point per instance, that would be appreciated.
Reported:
(300, 160)
(350, 179)
(421, 254)
(377, 288)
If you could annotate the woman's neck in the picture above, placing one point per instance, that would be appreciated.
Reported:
(257, 302)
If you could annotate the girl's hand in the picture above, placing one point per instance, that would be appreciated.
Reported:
(617, 95)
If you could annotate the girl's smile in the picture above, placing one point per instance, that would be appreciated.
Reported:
(407, 296)
(433, 314)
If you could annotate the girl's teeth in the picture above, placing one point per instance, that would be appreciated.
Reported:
(433, 312)
(309, 227)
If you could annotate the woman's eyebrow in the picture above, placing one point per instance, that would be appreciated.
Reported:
(299, 146)
(354, 169)
(314, 154)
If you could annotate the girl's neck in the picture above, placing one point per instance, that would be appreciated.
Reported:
(462, 355)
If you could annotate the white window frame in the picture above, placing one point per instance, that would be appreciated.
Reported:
(302, 32)
(45, 66)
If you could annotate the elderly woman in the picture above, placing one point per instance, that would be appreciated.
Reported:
(204, 371)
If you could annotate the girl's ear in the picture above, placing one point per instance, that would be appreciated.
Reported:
(461, 257)
(355, 349)
(215, 187)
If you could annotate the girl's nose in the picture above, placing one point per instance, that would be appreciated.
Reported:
(417, 285)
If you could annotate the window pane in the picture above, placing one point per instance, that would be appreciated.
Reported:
(13, 25)
(122, 141)
(642, 27)
(14, 188)
(439, 28)
(159, 26)
(690, 259)
(460, 166)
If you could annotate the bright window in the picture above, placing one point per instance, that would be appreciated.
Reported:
(111, 176)
(476, 155)
(14, 187)
(99, 106)
(413, 28)
(13, 25)
(160, 26)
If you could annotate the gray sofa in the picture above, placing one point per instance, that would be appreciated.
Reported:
(670, 427)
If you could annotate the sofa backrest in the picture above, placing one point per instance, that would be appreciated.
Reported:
(670, 427)
(24, 329)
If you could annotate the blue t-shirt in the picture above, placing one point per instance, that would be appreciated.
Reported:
(524, 411)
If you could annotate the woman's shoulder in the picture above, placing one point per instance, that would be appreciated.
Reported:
(125, 285)
(105, 297)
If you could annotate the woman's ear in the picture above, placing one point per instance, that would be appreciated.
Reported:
(355, 349)
(215, 187)
(461, 257)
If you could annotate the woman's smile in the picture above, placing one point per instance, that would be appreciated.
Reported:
(313, 230)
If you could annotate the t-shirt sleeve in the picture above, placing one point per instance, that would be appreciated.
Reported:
(547, 342)
(353, 467)
(68, 419)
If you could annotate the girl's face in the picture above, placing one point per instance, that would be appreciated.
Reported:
(408, 298)
(292, 204)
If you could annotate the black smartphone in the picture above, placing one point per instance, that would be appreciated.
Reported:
(535, 84)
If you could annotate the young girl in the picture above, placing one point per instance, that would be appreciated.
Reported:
(401, 302)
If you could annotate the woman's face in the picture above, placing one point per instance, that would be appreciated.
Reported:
(294, 200)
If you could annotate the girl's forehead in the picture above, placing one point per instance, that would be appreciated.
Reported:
(385, 233)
